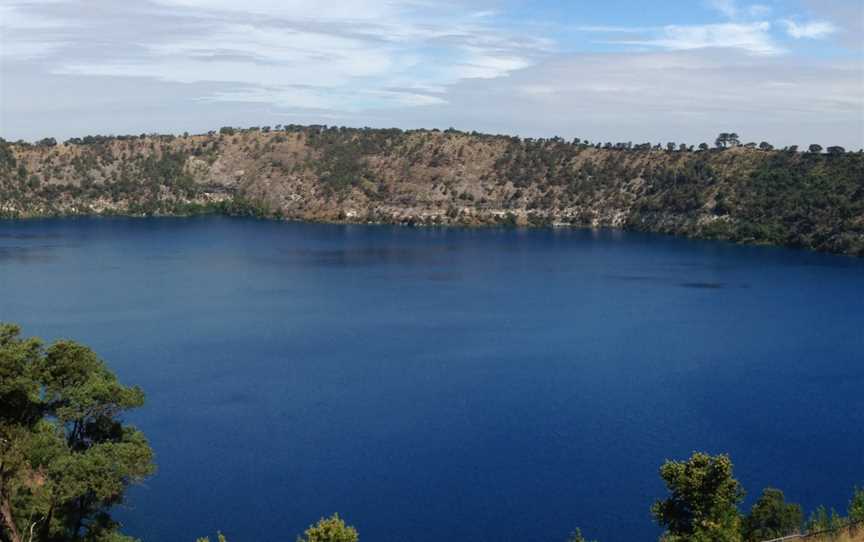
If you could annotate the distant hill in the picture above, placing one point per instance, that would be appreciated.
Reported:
(743, 193)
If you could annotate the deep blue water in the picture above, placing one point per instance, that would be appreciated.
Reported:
(464, 385)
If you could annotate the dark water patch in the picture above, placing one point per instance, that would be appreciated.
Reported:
(636, 278)
(444, 277)
(365, 256)
(703, 285)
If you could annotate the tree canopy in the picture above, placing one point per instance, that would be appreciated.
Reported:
(66, 456)
(772, 517)
(332, 529)
(703, 500)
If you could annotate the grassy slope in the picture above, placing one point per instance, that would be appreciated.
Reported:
(844, 535)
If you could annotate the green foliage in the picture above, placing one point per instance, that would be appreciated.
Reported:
(341, 154)
(219, 536)
(65, 455)
(823, 520)
(332, 529)
(167, 169)
(772, 517)
(811, 201)
(703, 500)
(576, 536)
(727, 140)
(856, 506)
(7, 157)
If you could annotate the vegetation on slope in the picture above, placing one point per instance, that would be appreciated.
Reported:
(744, 193)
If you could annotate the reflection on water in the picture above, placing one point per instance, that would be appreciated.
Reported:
(27, 254)
(671, 280)
(364, 256)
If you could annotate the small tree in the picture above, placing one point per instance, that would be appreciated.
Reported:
(725, 140)
(772, 517)
(765, 146)
(703, 146)
(835, 150)
(703, 500)
(823, 520)
(814, 148)
(576, 536)
(331, 529)
(856, 506)
(65, 454)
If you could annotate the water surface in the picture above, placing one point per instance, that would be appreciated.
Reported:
(433, 384)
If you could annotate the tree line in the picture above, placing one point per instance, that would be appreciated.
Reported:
(724, 140)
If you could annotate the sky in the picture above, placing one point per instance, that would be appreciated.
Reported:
(783, 71)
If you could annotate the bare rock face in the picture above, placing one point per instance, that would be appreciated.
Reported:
(445, 178)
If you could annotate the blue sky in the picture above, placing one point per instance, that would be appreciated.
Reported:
(787, 71)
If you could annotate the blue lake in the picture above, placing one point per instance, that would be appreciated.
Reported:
(449, 384)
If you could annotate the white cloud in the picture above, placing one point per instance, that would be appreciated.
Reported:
(847, 17)
(483, 64)
(311, 98)
(345, 55)
(22, 50)
(421, 63)
(682, 96)
(356, 10)
(15, 18)
(25, 36)
(811, 30)
(754, 38)
(615, 29)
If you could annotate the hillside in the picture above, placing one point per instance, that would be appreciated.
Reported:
(848, 534)
(743, 194)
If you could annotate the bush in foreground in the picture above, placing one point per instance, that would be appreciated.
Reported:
(66, 456)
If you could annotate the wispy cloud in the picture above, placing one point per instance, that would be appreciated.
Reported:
(616, 29)
(25, 36)
(664, 96)
(198, 63)
(810, 30)
(301, 54)
(754, 38)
